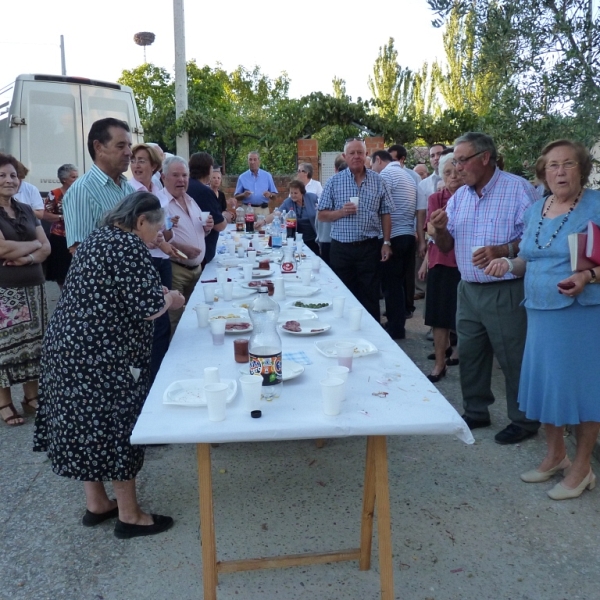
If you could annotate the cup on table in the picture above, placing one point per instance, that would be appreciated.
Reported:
(231, 247)
(202, 314)
(332, 391)
(279, 290)
(251, 390)
(241, 252)
(252, 256)
(216, 400)
(209, 292)
(221, 276)
(217, 329)
(240, 350)
(227, 289)
(247, 269)
(354, 200)
(355, 315)
(245, 243)
(338, 306)
(315, 263)
(204, 216)
(338, 372)
(305, 275)
(211, 375)
(345, 354)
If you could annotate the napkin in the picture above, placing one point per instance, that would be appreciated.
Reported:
(299, 357)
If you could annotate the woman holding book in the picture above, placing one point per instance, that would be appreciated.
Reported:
(558, 378)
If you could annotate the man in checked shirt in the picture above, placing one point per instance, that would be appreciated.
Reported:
(482, 221)
(357, 203)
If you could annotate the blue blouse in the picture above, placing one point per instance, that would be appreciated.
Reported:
(309, 209)
(546, 267)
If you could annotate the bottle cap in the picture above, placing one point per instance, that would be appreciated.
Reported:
(256, 414)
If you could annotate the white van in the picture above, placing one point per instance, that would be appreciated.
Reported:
(45, 120)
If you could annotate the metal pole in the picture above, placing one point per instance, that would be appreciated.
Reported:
(63, 63)
(181, 96)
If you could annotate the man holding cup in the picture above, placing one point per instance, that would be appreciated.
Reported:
(358, 204)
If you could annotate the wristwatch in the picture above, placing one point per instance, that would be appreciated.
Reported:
(387, 243)
(592, 272)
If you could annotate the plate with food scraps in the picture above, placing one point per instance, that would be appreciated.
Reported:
(314, 306)
(292, 278)
(310, 327)
(190, 392)
(300, 291)
(361, 347)
(239, 291)
(254, 285)
(296, 314)
(229, 314)
(231, 261)
(289, 369)
(238, 326)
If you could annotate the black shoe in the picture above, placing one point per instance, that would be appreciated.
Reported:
(513, 434)
(435, 378)
(125, 531)
(475, 423)
(452, 362)
(453, 339)
(448, 353)
(91, 519)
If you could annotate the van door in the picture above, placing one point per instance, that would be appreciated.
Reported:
(52, 134)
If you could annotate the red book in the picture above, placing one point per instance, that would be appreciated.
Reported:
(592, 249)
(577, 248)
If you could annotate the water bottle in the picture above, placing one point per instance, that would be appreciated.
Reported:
(264, 346)
(276, 233)
(290, 224)
(250, 219)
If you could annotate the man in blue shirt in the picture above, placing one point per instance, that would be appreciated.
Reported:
(255, 187)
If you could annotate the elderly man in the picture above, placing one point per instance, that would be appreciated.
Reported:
(404, 196)
(255, 187)
(103, 186)
(357, 203)
(305, 175)
(421, 170)
(188, 232)
(482, 221)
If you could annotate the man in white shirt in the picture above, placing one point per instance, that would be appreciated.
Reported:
(29, 194)
(305, 175)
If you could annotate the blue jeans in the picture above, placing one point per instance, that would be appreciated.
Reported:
(162, 325)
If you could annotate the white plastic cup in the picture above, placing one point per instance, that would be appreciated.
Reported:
(345, 354)
(245, 243)
(204, 216)
(241, 252)
(305, 275)
(278, 289)
(202, 314)
(211, 375)
(252, 256)
(355, 315)
(227, 288)
(315, 263)
(354, 200)
(332, 391)
(209, 292)
(338, 306)
(247, 269)
(217, 329)
(216, 400)
(231, 247)
(338, 372)
(251, 390)
(221, 276)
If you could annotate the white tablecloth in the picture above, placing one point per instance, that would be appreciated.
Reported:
(412, 406)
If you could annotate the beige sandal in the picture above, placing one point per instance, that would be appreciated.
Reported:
(14, 417)
(26, 404)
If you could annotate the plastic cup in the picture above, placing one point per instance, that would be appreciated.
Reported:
(355, 315)
(247, 269)
(252, 256)
(345, 354)
(231, 247)
(211, 375)
(251, 390)
(217, 329)
(305, 275)
(240, 350)
(209, 292)
(354, 200)
(216, 400)
(279, 290)
(332, 391)
(338, 306)
(338, 372)
(315, 263)
(202, 314)
(227, 288)
(221, 276)
(241, 252)
(245, 243)
(204, 218)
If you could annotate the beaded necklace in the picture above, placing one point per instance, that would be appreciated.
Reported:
(565, 219)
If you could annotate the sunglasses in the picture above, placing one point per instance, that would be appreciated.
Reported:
(355, 139)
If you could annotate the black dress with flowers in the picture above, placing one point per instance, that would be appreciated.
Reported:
(96, 358)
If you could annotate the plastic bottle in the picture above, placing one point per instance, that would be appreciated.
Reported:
(276, 232)
(290, 224)
(240, 219)
(250, 219)
(264, 346)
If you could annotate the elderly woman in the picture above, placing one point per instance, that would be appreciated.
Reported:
(23, 312)
(443, 277)
(95, 365)
(145, 162)
(59, 260)
(227, 206)
(558, 376)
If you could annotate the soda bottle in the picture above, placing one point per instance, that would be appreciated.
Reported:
(290, 224)
(240, 218)
(249, 219)
(264, 346)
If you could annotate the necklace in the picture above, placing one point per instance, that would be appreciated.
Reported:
(565, 219)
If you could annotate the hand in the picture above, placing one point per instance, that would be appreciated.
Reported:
(580, 280)
(175, 220)
(169, 250)
(422, 274)
(422, 248)
(498, 267)
(430, 229)
(18, 262)
(439, 219)
(267, 195)
(210, 223)
(227, 216)
(247, 194)
(177, 299)
(348, 209)
(482, 257)
(73, 248)
(232, 204)
(386, 252)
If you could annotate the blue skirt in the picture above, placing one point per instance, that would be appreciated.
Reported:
(559, 375)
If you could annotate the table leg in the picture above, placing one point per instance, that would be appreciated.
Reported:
(366, 524)
(207, 523)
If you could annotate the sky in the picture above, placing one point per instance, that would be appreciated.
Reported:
(312, 41)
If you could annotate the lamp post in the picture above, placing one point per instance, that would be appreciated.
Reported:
(181, 95)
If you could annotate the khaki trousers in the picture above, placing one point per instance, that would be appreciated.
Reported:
(184, 281)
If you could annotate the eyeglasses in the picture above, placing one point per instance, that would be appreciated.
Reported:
(300, 171)
(463, 161)
(554, 166)
(139, 161)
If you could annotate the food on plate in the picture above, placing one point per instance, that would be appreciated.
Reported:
(237, 326)
(264, 265)
(229, 316)
(292, 326)
(317, 330)
(259, 283)
(316, 305)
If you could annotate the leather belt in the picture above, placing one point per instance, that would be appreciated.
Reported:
(360, 243)
(263, 205)
(188, 267)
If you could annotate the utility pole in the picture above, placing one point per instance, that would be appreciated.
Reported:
(63, 62)
(181, 95)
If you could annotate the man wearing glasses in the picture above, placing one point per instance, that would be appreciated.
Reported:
(358, 204)
(483, 221)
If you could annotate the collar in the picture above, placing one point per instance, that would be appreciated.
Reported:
(489, 185)
(102, 178)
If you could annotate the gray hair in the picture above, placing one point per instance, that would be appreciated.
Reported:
(355, 140)
(254, 153)
(174, 160)
(128, 211)
(443, 160)
(308, 168)
(480, 142)
(65, 170)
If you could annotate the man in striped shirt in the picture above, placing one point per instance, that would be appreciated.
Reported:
(483, 221)
(103, 186)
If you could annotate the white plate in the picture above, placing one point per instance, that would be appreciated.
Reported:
(238, 331)
(293, 302)
(289, 369)
(295, 314)
(243, 305)
(307, 327)
(228, 313)
(260, 273)
(190, 392)
(291, 278)
(300, 291)
(231, 261)
(238, 292)
(254, 285)
(361, 347)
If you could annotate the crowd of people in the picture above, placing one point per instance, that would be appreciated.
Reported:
(492, 249)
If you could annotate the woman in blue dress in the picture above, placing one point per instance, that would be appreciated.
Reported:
(558, 378)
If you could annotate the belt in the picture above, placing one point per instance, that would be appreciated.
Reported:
(185, 266)
(494, 282)
(361, 243)
(263, 205)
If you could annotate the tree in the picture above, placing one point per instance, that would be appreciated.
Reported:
(384, 84)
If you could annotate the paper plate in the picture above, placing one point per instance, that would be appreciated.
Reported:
(310, 327)
(232, 323)
(308, 303)
(228, 313)
(300, 291)
(361, 347)
(295, 314)
(190, 392)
